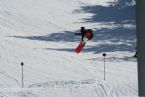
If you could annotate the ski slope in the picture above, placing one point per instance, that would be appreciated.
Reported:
(40, 33)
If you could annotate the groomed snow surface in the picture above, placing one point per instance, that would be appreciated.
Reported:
(40, 33)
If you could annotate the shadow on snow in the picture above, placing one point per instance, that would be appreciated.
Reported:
(117, 12)
(120, 38)
(66, 36)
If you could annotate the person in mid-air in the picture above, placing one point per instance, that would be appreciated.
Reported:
(86, 34)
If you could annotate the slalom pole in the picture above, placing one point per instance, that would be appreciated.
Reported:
(104, 55)
(22, 64)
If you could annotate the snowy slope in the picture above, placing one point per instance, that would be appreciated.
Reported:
(40, 33)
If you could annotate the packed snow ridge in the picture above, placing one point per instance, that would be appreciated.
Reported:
(85, 88)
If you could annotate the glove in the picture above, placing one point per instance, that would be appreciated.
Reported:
(85, 40)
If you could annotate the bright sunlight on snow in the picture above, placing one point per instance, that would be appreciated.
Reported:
(41, 33)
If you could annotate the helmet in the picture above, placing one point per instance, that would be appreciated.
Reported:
(82, 28)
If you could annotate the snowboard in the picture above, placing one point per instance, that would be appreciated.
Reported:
(80, 47)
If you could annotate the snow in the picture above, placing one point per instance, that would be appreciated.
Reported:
(40, 33)
(85, 88)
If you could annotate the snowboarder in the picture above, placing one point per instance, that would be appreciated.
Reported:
(86, 34)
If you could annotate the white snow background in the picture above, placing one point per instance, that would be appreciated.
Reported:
(40, 33)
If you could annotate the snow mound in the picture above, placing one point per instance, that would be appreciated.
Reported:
(84, 88)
